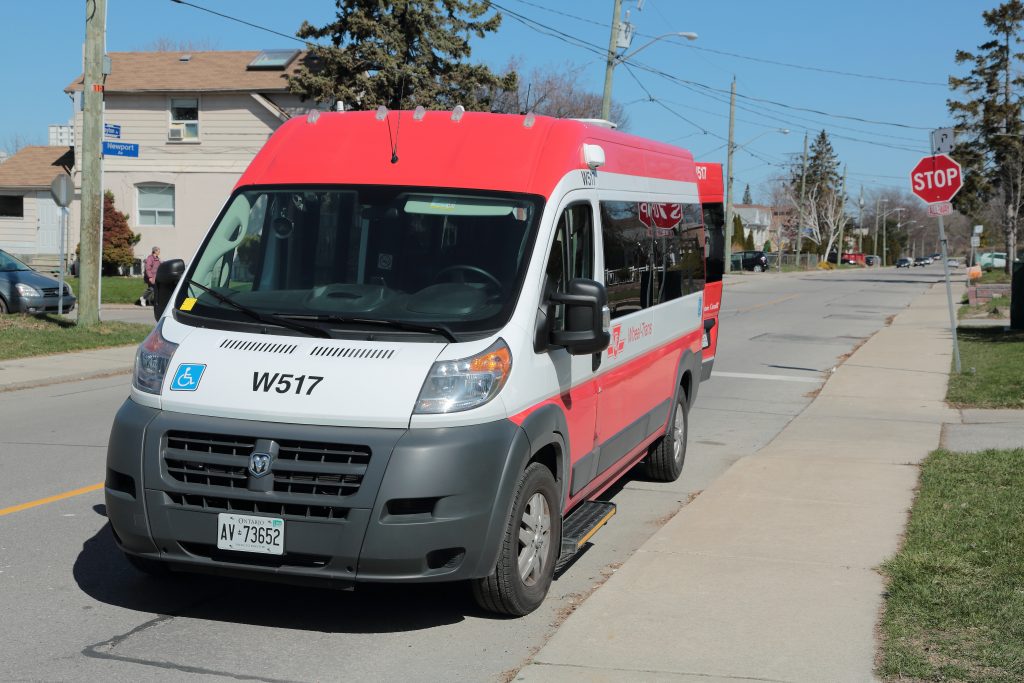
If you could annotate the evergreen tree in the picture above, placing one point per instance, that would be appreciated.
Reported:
(746, 195)
(400, 54)
(738, 234)
(748, 241)
(118, 238)
(989, 125)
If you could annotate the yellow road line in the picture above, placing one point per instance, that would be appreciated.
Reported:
(748, 309)
(50, 499)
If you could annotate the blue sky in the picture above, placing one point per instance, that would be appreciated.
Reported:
(911, 40)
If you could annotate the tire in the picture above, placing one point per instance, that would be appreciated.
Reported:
(3, 306)
(758, 269)
(536, 518)
(153, 568)
(666, 457)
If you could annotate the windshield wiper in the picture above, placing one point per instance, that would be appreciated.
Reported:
(269, 318)
(432, 328)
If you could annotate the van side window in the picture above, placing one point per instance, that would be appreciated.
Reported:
(572, 252)
(653, 253)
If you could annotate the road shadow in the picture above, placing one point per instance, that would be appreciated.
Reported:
(102, 572)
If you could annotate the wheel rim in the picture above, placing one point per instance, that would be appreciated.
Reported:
(678, 435)
(534, 539)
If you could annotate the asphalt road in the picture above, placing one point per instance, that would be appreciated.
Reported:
(73, 609)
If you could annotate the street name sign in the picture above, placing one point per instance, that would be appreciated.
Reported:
(975, 241)
(940, 209)
(120, 149)
(112, 130)
(936, 179)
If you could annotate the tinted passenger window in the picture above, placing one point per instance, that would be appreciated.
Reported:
(572, 253)
(653, 252)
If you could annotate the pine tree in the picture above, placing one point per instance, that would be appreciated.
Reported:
(738, 234)
(746, 195)
(989, 126)
(118, 238)
(400, 54)
(748, 241)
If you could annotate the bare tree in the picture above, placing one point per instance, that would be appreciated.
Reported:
(167, 44)
(16, 141)
(554, 91)
(822, 217)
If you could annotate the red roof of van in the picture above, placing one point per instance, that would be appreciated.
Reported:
(481, 151)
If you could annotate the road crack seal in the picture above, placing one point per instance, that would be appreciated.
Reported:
(104, 650)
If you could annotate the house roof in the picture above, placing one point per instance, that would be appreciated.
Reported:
(35, 167)
(212, 71)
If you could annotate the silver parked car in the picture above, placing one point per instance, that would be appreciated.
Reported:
(23, 290)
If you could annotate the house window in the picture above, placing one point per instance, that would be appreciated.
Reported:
(184, 119)
(156, 204)
(12, 206)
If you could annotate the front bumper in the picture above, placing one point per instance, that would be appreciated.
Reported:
(43, 304)
(431, 504)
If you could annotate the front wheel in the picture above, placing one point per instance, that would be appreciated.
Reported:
(758, 269)
(665, 458)
(529, 549)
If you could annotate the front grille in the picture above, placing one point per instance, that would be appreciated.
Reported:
(212, 462)
(49, 291)
(235, 505)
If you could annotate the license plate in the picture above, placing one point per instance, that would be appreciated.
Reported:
(250, 534)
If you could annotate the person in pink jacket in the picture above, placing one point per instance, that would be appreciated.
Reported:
(149, 276)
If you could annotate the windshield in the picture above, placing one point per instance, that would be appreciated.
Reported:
(8, 263)
(346, 257)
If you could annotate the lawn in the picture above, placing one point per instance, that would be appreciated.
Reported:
(955, 601)
(115, 290)
(993, 369)
(22, 335)
(998, 307)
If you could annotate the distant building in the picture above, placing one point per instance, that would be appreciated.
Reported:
(62, 135)
(757, 218)
(187, 124)
(29, 218)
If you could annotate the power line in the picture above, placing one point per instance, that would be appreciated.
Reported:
(243, 21)
(836, 72)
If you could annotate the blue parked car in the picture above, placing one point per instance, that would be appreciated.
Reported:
(23, 290)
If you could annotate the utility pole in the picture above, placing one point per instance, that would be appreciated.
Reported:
(799, 227)
(860, 222)
(874, 240)
(842, 221)
(92, 190)
(728, 186)
(606, 101)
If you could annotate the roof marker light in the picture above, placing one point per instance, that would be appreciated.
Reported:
(458, 112)
(313, 116)
(528, 121)
(419, 113)
(593, 156)
(382, 113)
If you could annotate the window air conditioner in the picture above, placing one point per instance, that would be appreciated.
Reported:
(176, 133)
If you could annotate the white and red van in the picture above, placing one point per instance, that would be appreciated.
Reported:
(416, 346)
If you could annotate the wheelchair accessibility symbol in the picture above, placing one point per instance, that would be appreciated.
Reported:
(187, 376)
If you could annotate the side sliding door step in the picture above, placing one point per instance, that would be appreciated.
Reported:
(582, 524)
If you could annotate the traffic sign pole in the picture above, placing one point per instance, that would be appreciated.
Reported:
(936, 180)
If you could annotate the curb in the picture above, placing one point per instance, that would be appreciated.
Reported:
(61, 379)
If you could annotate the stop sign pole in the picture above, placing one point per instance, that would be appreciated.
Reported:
(936, 180)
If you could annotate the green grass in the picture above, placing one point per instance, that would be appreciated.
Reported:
(955, 601)
(998, 307)
(993, 369)
(993, 277)
(25, 336)
(115, 290)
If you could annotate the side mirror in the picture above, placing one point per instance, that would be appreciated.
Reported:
(586, 325)
(167, 276)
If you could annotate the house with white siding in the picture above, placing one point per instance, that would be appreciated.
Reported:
(29, 218)
(181, 128)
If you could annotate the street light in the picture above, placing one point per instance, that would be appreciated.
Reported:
(614, 60)
(728, 191)
(885, 238)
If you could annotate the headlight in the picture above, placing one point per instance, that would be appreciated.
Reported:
(152, 360)
(67, 290)
(455, 385)
(27, 290)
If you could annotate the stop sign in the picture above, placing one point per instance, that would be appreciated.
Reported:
(936, 179)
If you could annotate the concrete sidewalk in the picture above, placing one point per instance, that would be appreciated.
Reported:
(37, 371)
(770, 574)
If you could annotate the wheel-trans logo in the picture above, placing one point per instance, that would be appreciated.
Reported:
(187, 376)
